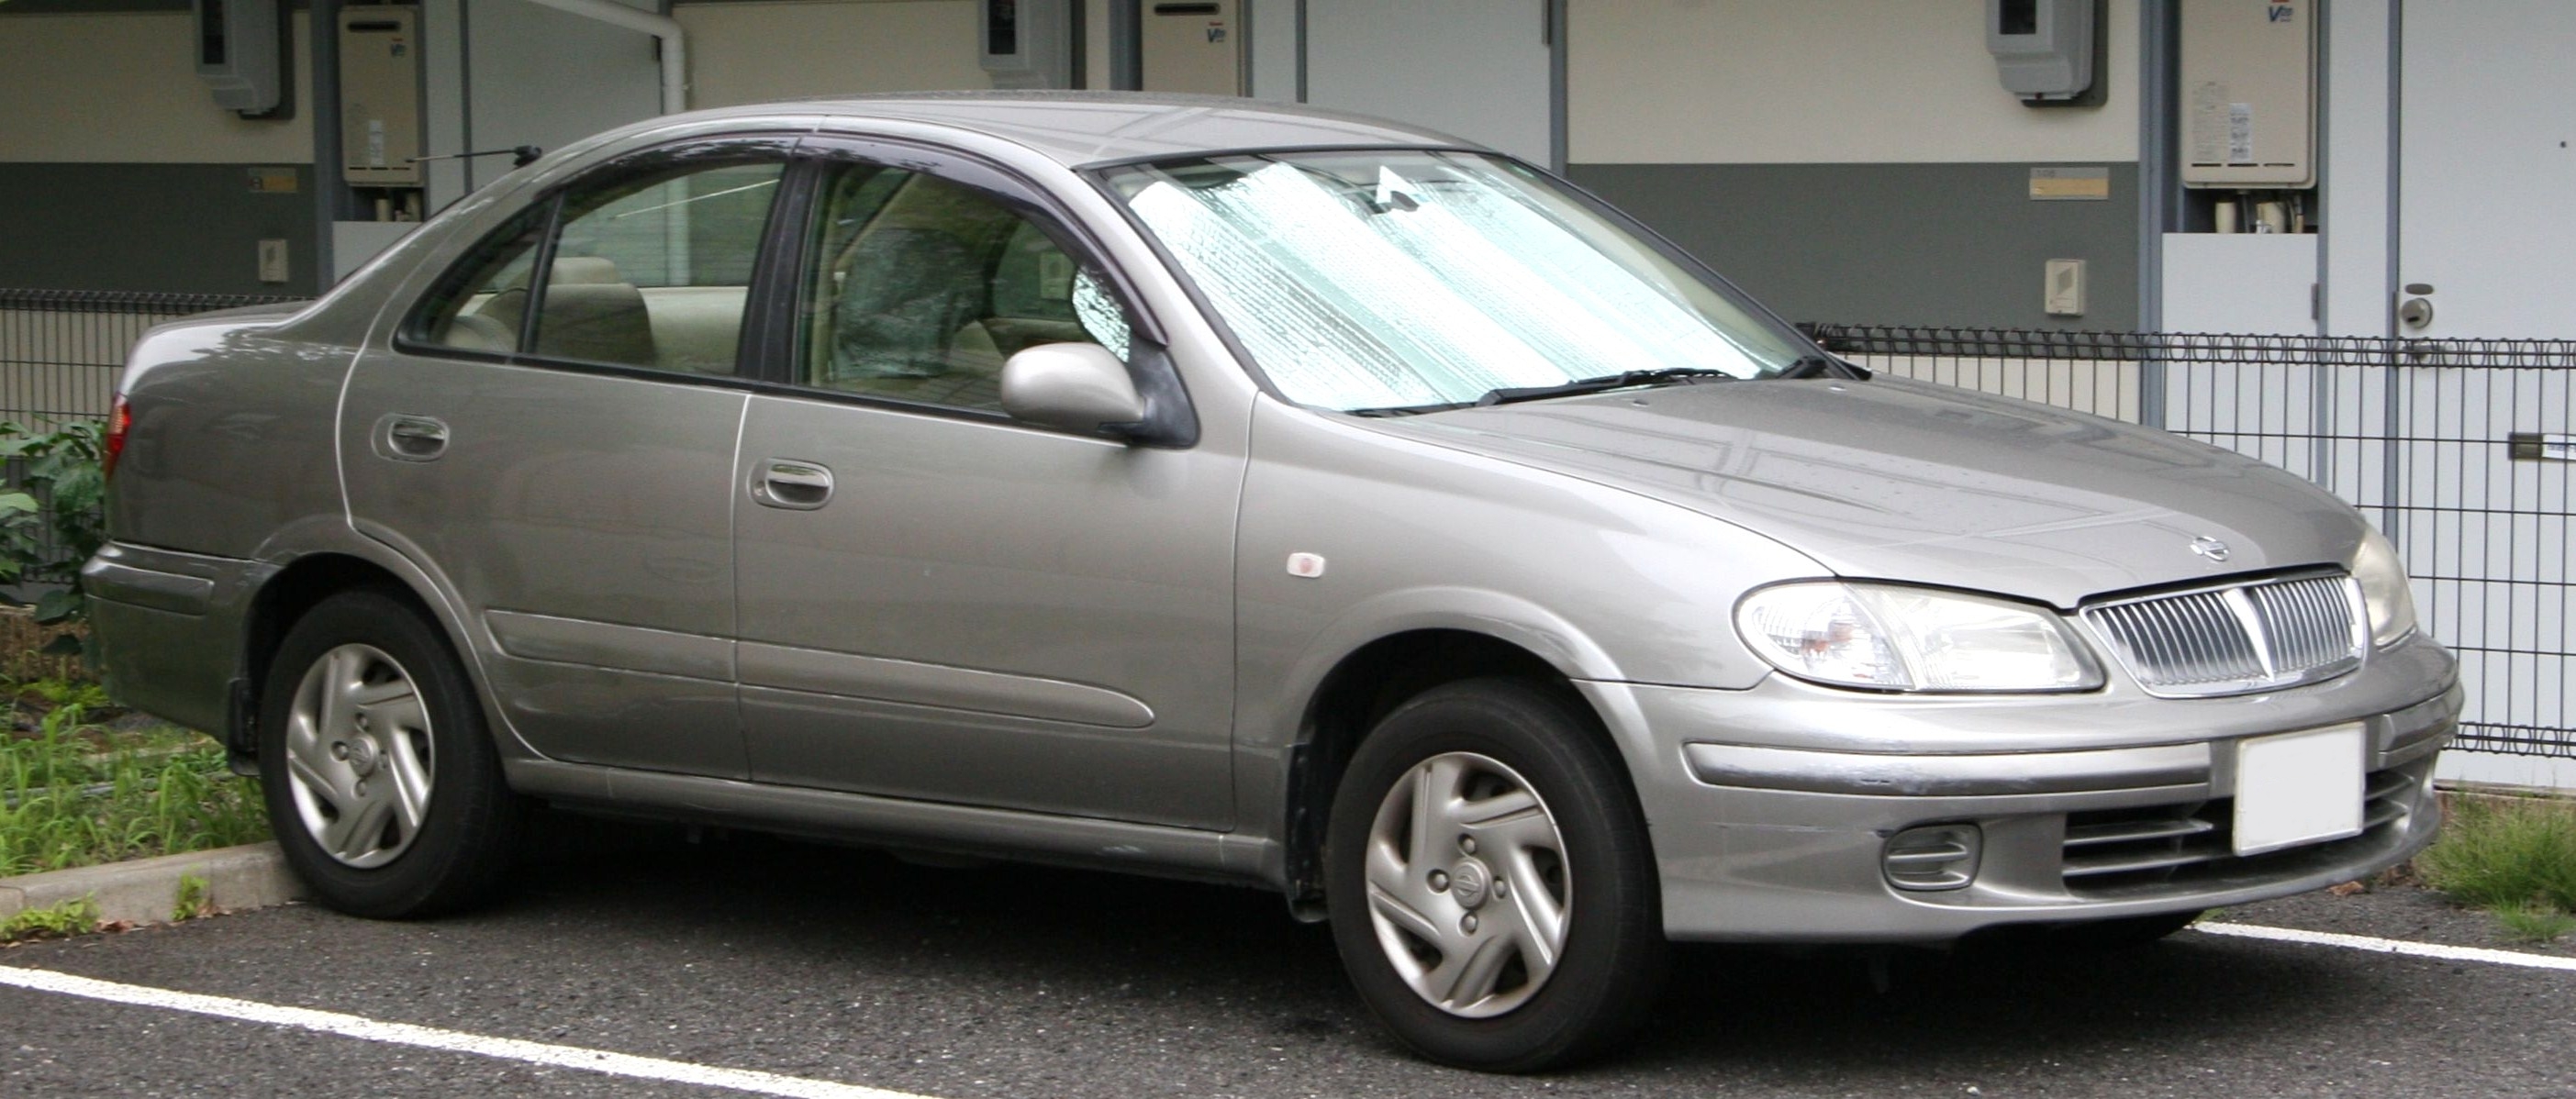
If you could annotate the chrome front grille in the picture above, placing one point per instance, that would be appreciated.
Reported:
(2236, 639)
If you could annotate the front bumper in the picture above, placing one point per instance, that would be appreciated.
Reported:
(1772, 809)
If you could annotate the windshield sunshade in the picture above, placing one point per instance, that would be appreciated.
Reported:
(1409, 279)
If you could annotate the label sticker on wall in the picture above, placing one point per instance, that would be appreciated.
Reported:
(1306, 565)
(2208, 125)
(266, 180)
(2240, 133)
(2091, 184)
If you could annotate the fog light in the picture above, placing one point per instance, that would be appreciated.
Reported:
(1933, 857)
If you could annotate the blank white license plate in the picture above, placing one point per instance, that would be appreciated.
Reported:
(2298, 788)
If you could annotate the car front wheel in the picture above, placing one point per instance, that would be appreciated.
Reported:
(382, 784)
(1490, 882)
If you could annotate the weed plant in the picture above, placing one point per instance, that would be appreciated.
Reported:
(2515, 857)
(62, 921)
(64, 802)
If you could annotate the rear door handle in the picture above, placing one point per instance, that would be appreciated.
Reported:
(788, 483)
(407, 438)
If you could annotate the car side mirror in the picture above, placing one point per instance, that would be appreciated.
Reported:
(1076, 386)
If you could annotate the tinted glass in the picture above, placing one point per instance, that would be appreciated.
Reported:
(650, 271)
(922, 288)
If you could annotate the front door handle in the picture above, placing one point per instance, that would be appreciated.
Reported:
(406, 438)
(788, 483)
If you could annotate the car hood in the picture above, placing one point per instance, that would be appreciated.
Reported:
(1901, 480)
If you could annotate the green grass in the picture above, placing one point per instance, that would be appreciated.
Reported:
(76, 794)
(2537, 923)
(2515, 857)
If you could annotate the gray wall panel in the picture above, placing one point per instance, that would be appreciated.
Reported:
(181, 228)
(1946, 244)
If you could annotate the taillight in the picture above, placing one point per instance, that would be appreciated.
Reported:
(119, 419)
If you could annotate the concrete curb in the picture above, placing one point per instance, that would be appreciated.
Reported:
(147, 890)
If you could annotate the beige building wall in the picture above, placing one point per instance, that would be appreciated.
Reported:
(751, 52)
(1821, 82)
(122, 88)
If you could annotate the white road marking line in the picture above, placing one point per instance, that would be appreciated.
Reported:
(406, 1034)
(2389, 946)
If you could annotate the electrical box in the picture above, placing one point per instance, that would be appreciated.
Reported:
(380, 122)
(1027, 43)
(2249, 102)
(2043, 48)
(1192, 47)
(237, 47)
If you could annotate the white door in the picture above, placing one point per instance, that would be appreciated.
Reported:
(1476, 69)
(2486, 221)
(2487, 171)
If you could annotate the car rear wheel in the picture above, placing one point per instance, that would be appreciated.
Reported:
(1489, 878)
(382, 784)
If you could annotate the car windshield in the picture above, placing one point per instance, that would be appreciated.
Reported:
(1412, 279)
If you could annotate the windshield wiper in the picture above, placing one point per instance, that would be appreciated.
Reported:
(1604, 383)
(1809, 366)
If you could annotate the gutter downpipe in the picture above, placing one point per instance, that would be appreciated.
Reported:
(675, 50)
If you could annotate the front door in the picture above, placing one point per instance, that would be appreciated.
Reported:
(552, 431)
(938, 602)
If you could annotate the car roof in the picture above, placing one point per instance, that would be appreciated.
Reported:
(1082, 128)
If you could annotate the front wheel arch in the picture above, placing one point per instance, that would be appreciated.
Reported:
(1360, 690)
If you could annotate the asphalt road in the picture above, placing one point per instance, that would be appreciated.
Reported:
(821, 963)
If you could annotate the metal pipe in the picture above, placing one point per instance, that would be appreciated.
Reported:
(675, 51)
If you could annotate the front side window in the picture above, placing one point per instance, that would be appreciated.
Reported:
(921, 288)
(1410, 279)
(651, 271)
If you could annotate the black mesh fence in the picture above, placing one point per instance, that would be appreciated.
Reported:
(2461, 450)
(60, 350)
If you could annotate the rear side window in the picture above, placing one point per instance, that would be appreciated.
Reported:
(648, 271)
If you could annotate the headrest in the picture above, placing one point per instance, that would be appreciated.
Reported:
(586, 270)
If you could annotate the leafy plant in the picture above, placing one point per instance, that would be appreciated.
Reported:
(74, 917)
(60, 693)
(192, 901)
(53, 517)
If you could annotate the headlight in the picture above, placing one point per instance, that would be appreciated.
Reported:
(1912, 639)
(2384, 590)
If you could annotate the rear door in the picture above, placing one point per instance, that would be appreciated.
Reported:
(553, 432)
(941, 603)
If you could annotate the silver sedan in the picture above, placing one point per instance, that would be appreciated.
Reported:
(1208, 488)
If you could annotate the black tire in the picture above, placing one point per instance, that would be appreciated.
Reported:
(1605, 976)
(468, 821)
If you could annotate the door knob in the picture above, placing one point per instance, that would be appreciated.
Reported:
(791, 484)
(2416, 311)
(406, 438)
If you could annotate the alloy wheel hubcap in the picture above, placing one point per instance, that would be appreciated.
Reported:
(1468, 888)
(358, 757)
